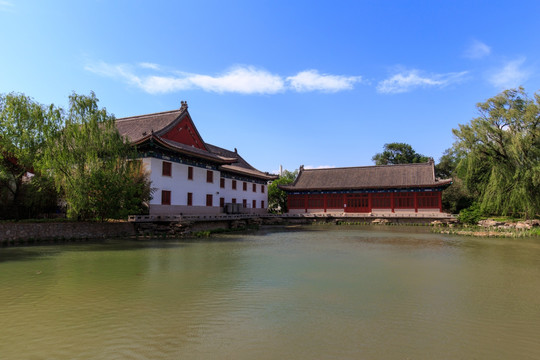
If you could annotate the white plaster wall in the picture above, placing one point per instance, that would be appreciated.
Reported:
(179, 185)
(239, 194)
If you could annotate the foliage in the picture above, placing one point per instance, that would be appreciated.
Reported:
(398, 153)
(470, 215)
(455, 197)
(277, 198)
(91, 164)
(501, 147)
(24, 127)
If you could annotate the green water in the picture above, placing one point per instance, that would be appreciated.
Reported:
(303, 293)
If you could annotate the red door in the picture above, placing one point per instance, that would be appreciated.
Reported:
(358, 203)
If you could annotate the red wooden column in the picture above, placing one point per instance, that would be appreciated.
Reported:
(288, 202)
(392, 200)
(325, 195)
(440, 201)
(415, 202)
(306, 196)
(369, 202)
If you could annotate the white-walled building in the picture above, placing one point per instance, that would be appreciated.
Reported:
(190, 176)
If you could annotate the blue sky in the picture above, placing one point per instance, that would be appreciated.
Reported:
(320, 84)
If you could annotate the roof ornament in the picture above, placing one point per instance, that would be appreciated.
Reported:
(235, 151)
(183, 105)
(301, 167)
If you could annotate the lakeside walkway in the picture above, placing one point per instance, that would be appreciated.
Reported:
(342, 215)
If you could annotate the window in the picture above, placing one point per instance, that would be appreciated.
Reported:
(262, 189)
(244, 187)
(244, 203)
(381, 201)
(262, 204)
(221, 202)
(254, 204)
(404, 200)
(165, 197)
(209, 199)
(166, 168)
(234, 201)
(254, 187)
(296, 201)
(190, 199)
(222, 183)
(234, 184)
(190, 173)
(209, 176)
(428, 200)
(334, 201)
(316, 202)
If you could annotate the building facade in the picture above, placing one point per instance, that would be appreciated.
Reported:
(406, 188)
(188, 175)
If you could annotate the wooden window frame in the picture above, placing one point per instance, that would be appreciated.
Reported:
(166, 168)
(254, 203)
(222, 183)
(244, 186)
(209, 200)
(166, 197)
(189, 199)
(209, 176)
(234, 185)
(190, 172)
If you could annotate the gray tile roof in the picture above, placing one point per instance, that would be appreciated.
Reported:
(368, 177)
(141, 128)
(138, 127)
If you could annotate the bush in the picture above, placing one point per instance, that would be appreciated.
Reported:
(470, 215)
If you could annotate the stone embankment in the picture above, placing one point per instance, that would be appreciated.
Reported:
(13, 233)
(493, 228)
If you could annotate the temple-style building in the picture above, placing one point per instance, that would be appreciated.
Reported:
(407, 188)
(188, 175)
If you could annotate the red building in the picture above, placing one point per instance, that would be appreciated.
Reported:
(406, 188)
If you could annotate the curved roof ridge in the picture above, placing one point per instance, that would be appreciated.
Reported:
(127, 118)
(367, 166)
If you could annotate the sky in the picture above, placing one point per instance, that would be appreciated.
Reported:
(313, 83)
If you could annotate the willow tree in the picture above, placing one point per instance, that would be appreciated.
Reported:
(93, 165)
(25, 126)
(501, 166)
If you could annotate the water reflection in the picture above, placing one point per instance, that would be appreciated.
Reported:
(338, 292)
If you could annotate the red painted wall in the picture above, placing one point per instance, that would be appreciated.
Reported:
(185, 133)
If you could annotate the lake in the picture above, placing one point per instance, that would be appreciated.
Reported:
(314, 292)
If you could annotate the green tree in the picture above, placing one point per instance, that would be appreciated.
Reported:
(398, 153)
(501, 147)
(25, 126)
(455, 197)
(277, 198)
(93, 165)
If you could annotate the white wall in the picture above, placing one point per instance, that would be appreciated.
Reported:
(179, 185)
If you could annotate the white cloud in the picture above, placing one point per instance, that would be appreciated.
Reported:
(511, 75)
(409, 80)
(151, 66)
(311, 80)
(6, 6)
(240, 79)
(477, 50)
(244, 80)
